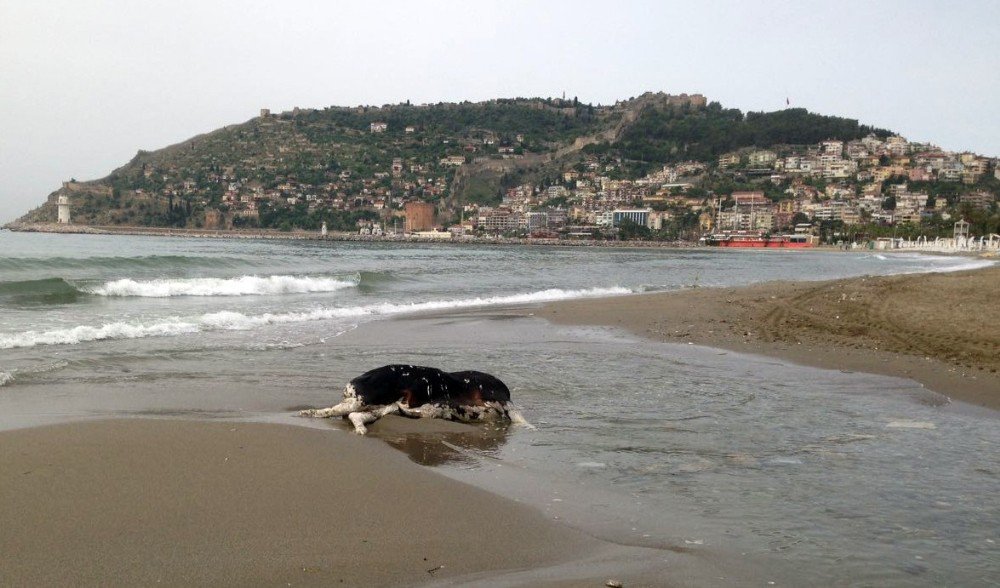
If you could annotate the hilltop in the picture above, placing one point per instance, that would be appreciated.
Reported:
(534, 164)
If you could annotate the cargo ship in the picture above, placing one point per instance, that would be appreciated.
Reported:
(746, 239)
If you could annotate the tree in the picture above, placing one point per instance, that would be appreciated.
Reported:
(629, 230)
(800, 218)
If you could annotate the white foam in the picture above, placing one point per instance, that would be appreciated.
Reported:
(937, 263)
(173, 326)
(236, 321)
(241, 286)
(910, 425)
(969, 265)
(6, 378)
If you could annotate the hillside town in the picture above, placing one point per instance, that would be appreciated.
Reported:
(350, 171)
(872, 182)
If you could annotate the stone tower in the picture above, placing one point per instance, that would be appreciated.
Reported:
(63, 202)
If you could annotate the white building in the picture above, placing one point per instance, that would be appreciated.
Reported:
(639, 216)
(763, 158)
(832, 147)
(897, 146)
(63, 202)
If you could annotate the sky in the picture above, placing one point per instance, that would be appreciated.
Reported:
(84, 84)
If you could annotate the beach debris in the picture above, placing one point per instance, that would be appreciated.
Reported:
(910, 425)
(784, 461)
(432, 570)
(613, 584)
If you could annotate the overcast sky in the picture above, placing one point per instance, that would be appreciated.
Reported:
(85, 84)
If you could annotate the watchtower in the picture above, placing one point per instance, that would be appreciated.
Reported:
(63, 203)
(961, 230)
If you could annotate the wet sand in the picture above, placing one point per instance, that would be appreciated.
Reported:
(144, 501)
(138, 502)
(942, 330)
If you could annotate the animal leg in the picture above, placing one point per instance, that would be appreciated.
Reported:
(427, 411)
(360, 419)
(346, 407)
(413, 413)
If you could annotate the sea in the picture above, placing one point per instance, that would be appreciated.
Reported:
(810, 477)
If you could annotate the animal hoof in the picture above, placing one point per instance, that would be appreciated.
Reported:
(360, 430)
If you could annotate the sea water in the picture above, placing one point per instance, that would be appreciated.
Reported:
(834, 478)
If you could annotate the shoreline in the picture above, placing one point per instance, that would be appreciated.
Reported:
(343, 237)
(272, 234)
(939, 329)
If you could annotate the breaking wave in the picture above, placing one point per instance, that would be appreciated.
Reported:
(6, 378)
(37, 292)
(241, 286)
(237, 321)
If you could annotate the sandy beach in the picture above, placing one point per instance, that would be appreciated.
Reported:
(195, 503)
(940, 329)
(139, 502)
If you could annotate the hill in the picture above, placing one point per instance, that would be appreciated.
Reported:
(344, 165)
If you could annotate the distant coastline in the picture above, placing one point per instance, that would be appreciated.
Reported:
(332, 236)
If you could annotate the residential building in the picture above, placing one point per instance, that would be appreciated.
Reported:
(537, 221)
(897, 146)
(921, 174)
(658, 218)
(856, 150)
(763, 158)
(501, 220)
(832, 147)
(729, 160)
(980, 200)
(453, 160)
(747, 199)
(556, 192)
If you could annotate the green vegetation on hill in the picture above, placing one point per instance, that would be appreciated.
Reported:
(677, 134)
(535, 120)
